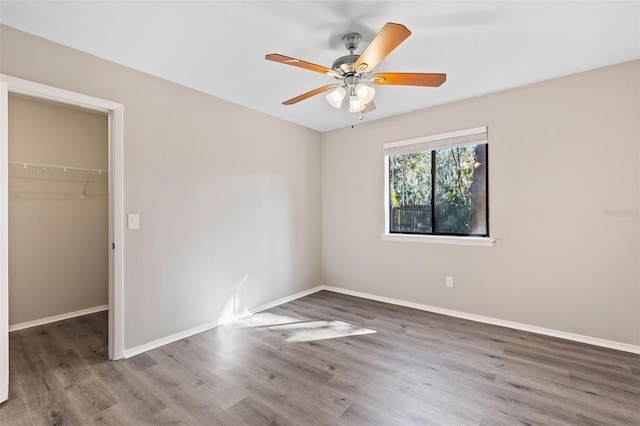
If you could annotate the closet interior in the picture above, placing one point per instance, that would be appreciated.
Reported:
(58, 211)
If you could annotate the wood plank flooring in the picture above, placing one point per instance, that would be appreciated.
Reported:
(325, 359)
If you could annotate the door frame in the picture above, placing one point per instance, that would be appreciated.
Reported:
(115, 111)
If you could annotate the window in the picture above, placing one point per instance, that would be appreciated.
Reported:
(437, 185)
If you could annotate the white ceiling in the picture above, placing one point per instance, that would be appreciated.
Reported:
(218, 47)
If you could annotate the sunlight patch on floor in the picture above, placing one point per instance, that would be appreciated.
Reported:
(265, 319)
(307, 331)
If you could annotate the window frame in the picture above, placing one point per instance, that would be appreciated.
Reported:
(433, 143)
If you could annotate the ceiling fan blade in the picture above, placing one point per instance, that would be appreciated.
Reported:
(309, 94)
(389, 37)
(275, 57)
(409, 79)
(369, 107)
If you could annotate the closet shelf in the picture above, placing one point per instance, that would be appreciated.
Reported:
(59, 169)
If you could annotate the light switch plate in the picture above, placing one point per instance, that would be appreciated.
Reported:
(133, 221)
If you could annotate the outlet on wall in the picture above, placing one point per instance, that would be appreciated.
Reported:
(450, 282)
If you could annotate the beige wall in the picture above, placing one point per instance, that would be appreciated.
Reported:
(58, 241)
(229, 198)
(230, 201)
(563, 172)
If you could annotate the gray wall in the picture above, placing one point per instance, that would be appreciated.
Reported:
(229, 198)
(58, 241)
(564, 182)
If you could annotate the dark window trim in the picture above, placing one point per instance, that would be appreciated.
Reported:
(433, 210)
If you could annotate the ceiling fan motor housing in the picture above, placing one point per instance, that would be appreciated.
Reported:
(344, 65)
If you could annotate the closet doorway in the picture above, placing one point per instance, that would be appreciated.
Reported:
(58, 204)
(81, 188)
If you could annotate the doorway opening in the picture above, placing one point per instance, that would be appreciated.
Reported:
(113, 180)
(58, 205)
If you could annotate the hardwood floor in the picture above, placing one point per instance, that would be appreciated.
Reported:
(392, 366)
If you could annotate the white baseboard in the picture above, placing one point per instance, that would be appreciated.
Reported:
(626, 347)
(128, 353)
(287, 299)
(48, 320)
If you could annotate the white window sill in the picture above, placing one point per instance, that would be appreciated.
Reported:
(440, 239)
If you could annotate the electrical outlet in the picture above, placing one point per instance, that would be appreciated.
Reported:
(450, 282)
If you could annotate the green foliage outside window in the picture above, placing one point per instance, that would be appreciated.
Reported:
(458, 193)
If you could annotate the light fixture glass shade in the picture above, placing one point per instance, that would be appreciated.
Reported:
(335, 98)
(365, 93)
(355, 104)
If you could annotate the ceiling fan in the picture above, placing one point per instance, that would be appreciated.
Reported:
(353, 70)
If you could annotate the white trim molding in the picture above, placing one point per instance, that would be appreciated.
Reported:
(128, 353)
(137, 350)
(625, 347)
(435, 138)
(440, 239)
(54, 94)
(116, 233)
(56, 318)
(595, 341)
(4, 242)
(115, 112)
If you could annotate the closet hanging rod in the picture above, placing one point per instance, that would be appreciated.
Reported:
(60, 169)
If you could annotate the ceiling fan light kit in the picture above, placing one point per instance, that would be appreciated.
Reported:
(365, 93)
(354, 70)
(355, 104)
(335, 98)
